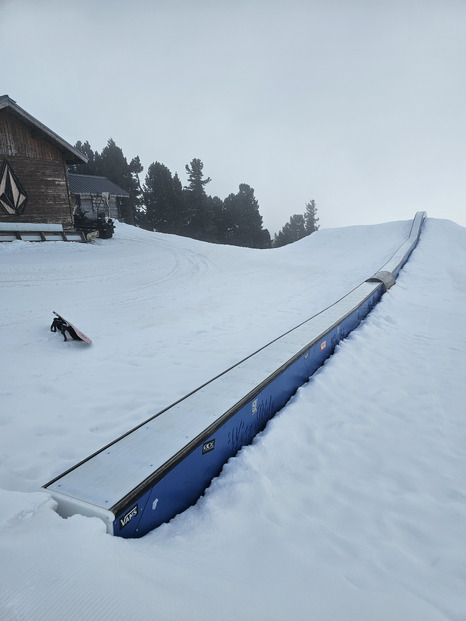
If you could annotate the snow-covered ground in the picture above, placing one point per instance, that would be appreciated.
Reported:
(351, 505)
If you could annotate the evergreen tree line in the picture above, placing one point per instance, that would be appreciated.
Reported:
(298, 226)
(162, 204)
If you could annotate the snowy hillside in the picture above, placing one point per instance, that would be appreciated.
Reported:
(350, 505)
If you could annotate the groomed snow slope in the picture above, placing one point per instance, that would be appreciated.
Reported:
(350, 505)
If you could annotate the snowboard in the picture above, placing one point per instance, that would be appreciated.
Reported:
(62, 325)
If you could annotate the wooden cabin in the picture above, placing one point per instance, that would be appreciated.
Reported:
(33, 171)
(93, 194)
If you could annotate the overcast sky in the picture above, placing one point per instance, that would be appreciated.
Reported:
(357, 104)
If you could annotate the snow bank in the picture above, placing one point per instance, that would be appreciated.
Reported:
(349, 506)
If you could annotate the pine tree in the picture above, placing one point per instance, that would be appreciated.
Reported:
(220, 221)
(298, 226)
(293, 230)
(310, 218)
(199, 211)
(243, 222)
(163, 199)
(179, 207)
(84, 169)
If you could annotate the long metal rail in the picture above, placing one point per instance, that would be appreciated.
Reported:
(162, 466)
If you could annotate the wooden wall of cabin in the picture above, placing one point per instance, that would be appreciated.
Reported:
(40, 168)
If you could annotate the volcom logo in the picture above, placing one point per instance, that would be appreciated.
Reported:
(12, 196)
(125, 520)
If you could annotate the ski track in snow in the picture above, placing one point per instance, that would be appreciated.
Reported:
(350, 505)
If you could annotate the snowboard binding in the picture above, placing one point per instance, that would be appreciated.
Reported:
(61, 325)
